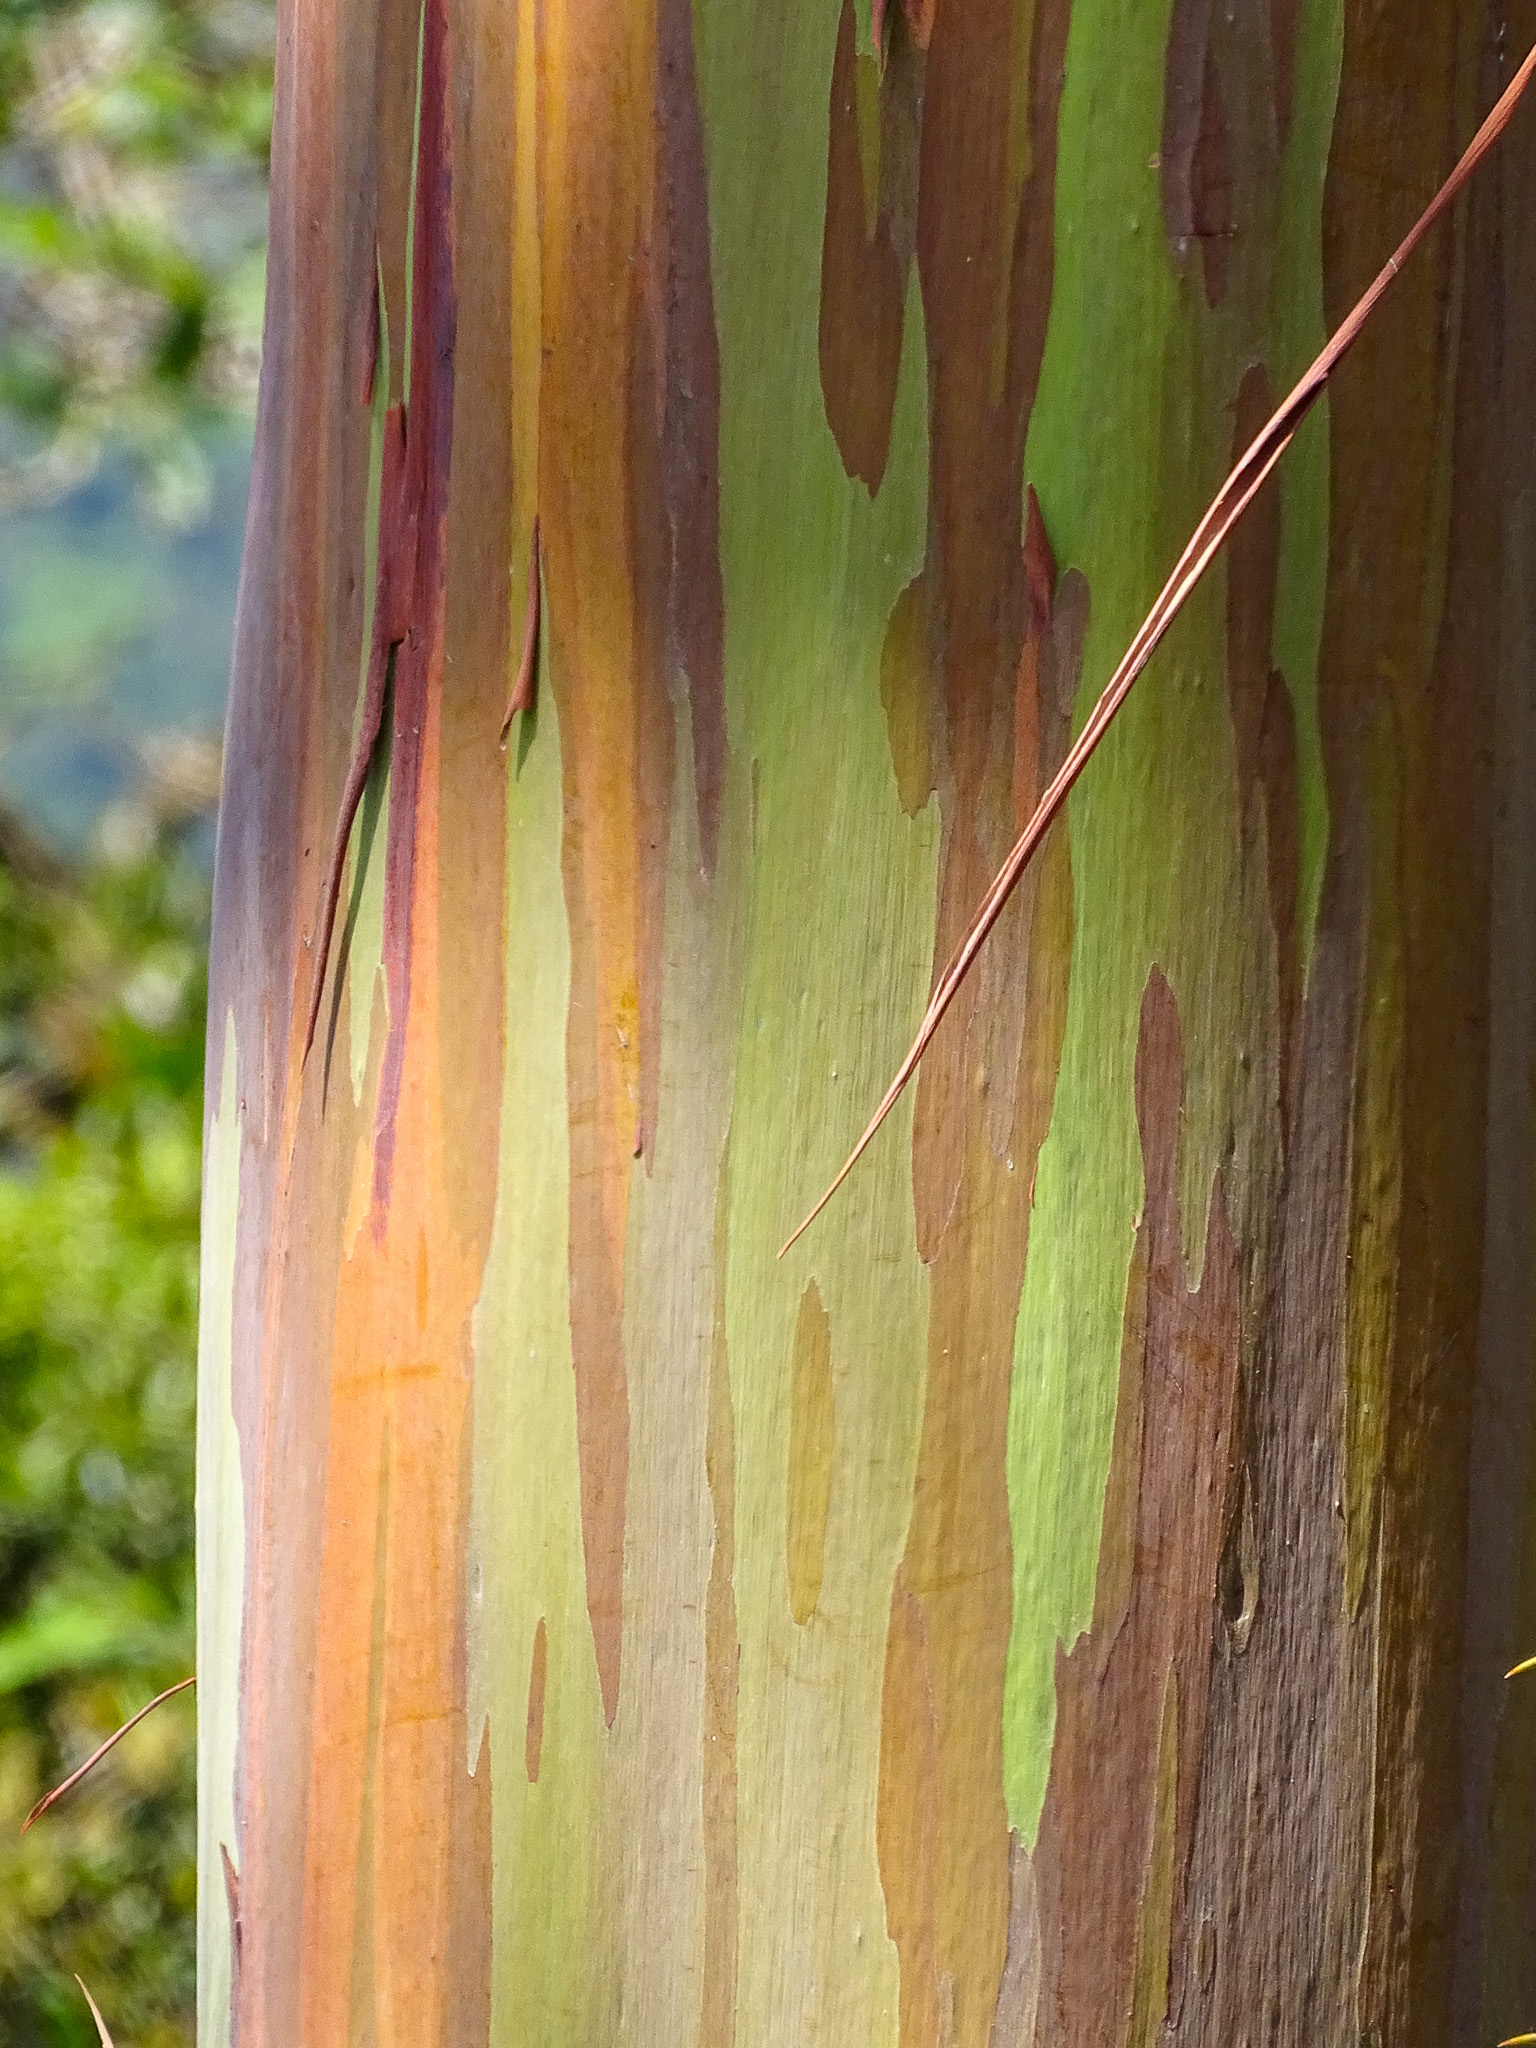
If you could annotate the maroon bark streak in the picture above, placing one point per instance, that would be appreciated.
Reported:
(651, 569)
(863, 286)
(368, 346)
(1172, 1491)
(690, 438)
(422, 543)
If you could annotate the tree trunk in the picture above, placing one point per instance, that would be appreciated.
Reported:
(1066, 1598)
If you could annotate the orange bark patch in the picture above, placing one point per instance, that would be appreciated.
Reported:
(907, 1816)
(387, 1708)
(811, 1427)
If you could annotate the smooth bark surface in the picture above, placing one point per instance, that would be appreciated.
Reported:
(1064, 1600)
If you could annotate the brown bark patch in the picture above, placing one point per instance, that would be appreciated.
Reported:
(862, 285)
(691, 414)
(1124, 1787)
(1196, 156)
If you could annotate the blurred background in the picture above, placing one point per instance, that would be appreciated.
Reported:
(133, 158)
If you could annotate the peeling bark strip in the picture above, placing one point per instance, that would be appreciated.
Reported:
(1118, 1825)
(525, 681)
(1233, 500)
(409, 606)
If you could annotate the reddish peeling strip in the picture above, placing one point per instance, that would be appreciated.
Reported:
(1113, 1850)
(877, 29)
(690, 434)
(863, 287)
(236, 1931)
(524, 682)
(538, 1671)
(386, 615)
(409, 601)
(367, 349)
(418, 544)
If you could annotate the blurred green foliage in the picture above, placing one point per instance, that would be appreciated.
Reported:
(102, 995)
(134, 138)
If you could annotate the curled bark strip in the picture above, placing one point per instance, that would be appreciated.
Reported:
(521, 698)
(1228, 507)
(52, 1798)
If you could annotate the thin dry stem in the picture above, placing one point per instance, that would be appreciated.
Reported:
(52, 1798)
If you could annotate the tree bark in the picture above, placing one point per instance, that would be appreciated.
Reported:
(1064, 1600)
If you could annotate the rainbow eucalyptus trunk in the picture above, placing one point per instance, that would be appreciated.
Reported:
(1066, 1598)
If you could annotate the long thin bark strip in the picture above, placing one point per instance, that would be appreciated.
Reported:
(101, 2025)
(1229, 505)
(521, 698)
(52, 1798)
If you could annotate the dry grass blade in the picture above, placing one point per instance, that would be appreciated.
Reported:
(1519, 1669)
(52, 1798)
(1231, 502)
(101, 2025)
(1518, 2041)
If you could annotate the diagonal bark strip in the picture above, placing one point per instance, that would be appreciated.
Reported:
(1227, 508)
